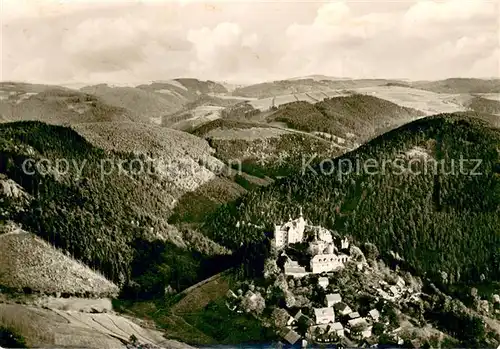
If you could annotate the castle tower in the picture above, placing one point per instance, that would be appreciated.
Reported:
(330, 248)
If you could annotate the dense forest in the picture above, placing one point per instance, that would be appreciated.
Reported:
(443, 223)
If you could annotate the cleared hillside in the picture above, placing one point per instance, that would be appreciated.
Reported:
(438, 222)
(29, 263)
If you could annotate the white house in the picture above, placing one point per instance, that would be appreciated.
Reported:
(332, 299)
(394, 291)
(324, 316)
(323, 282)
(374, 314)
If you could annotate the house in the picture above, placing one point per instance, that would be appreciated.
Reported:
(332, 299)
(293, 268)
(322, 263)
(374, 314)
(384, 294)
(323, 282)
(292, 337)
(354, 315)
(301, 317)
(290, 232)
(338, 328)
(324, 315)
(342, 308)
(400, 283)
(394, 291)
(291, 321)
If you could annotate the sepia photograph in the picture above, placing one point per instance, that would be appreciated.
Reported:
(183, 174)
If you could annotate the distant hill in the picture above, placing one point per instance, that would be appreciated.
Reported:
(484, 105)
(460, 85)
(437, 222)
(55, 105)
(146, 106)
(358, 116)
(284, 87)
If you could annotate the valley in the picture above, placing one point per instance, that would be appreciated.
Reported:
(180, 180)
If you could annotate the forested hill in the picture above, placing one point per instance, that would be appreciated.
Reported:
(103, 207)
(437, 221)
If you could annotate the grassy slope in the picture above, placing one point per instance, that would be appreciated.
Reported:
(442, 222)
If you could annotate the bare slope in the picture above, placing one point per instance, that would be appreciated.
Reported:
(28, 262)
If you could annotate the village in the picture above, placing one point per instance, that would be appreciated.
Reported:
(307, 299)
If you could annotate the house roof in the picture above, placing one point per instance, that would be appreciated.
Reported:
(323, 280)
(292, 337)
(354, 315)
(374, 313)
(336, 326)
(341, 306)
(357, 321)
(298, 315)
(320, 312)
(333, 297)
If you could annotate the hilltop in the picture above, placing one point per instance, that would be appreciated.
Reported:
(358, 116)
(443, 226)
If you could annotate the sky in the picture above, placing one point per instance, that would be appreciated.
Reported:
(132, 42)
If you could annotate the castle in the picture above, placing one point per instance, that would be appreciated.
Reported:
(290, 232)
(326, 257)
